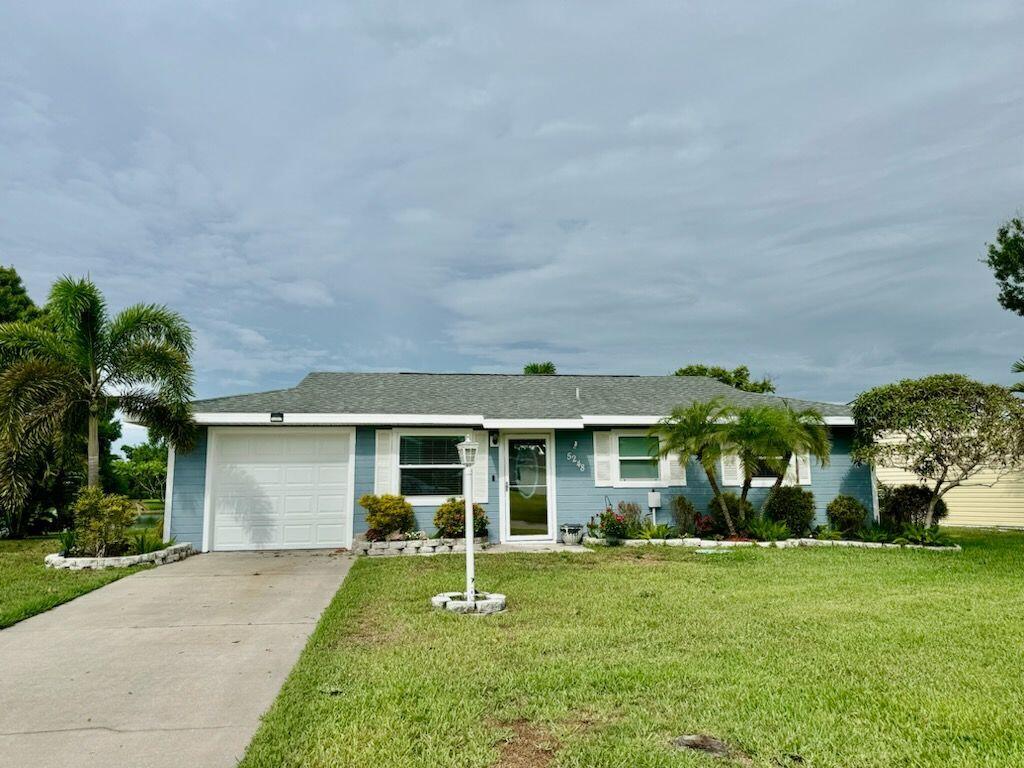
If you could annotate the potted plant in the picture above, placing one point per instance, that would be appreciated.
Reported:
(572, 534)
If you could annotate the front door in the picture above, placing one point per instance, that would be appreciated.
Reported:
(528, 507)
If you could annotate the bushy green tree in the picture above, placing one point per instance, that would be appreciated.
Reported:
(1006, 259)
(944, 429)
(143, 472)
(15, 303)
(738, 377)
(540, 369)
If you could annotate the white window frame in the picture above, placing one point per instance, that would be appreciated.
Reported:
(617, 482)
(425, 501)
(767, 481)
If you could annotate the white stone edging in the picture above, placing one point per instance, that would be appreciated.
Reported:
(160, 557)
(439, 546)
(782, 544)
(485, 603)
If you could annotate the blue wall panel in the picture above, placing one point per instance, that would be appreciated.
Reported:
(188, 493)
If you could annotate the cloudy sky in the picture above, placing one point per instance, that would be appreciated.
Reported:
(806, 188)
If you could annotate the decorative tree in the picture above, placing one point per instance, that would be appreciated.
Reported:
(802, 431)
(60, 378)
(1006, 259)
(944, 429)
(698, 430)
(738, 377)
(540, 369)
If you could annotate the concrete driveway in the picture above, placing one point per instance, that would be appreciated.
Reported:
(170, 667)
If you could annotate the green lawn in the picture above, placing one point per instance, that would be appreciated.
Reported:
(27, 587)
(841, 657)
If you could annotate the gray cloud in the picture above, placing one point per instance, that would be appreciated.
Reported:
(805, 188)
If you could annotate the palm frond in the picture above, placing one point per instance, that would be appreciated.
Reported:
(21, 340)
(78, 310)
(170, 421)
(155, 363)
(152, 323)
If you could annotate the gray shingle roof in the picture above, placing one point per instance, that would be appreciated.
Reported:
(495, 396)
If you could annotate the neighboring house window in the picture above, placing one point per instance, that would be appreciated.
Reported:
(428, 465)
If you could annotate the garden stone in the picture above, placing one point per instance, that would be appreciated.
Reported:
(691, 542)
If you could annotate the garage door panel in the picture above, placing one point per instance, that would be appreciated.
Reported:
(281, 489)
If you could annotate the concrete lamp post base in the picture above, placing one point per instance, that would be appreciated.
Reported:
(456, 602)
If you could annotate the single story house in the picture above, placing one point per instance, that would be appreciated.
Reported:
(285, 469)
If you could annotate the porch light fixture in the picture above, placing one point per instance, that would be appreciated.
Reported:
(467, 458)
(276, 417)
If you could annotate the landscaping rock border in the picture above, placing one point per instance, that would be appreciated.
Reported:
(783, 544)
(414, 547)
(160, 557)
(485, 603)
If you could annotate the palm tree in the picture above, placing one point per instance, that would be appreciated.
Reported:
(802, 431)
(698, 430)
(756, 435)
(1018, 367)
(59, 377)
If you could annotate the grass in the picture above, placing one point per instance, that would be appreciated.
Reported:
(841, 657)
(27, 587)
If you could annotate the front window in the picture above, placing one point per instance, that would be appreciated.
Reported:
(428, 465)
(638, 459)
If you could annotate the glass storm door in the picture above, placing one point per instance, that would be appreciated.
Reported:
(528, 488)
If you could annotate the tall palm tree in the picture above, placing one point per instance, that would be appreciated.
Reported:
(698, 430)
(802, 431)
(59, 376)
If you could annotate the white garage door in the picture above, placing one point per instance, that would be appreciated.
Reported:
(280, 488)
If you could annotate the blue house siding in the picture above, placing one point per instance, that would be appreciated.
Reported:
(189, 492)
(578, 499)
(366, 447)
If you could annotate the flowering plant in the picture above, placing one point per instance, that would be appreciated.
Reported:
(613, 525)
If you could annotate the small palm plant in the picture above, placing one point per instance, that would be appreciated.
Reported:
(62, 373)
(802, 431)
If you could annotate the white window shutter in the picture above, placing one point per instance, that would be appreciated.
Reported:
(481, 470)
(790, 476)
(603, 458)
(803, 465)
(676, 470)
(732, 473)
(384, 462)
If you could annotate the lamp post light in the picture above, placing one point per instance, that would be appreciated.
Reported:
(467, 458)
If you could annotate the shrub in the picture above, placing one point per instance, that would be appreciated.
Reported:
(846, 514)
(144, 542)
(740, 511)
(613, 525)
(905, 505)
(793, 506)
(828, 533)
(648, 530)
(102, 523)
(684, 514)
(68, 539)
(631, 512)
(766, 529)
(450, 519)
(387, 515)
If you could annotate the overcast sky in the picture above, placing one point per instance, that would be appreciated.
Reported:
(806, 188)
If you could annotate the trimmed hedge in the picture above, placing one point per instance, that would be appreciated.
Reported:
(793, 506)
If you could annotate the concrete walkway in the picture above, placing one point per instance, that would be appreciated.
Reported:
(170, 667)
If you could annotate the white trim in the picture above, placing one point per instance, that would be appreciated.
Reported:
(647, 421)
(168, 493)
(211, 437)
(503, 493)
(396, 469)
(617, 481)
(533, 424)
(335, 419)
(443, 419)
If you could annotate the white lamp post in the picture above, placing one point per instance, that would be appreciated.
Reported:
(467, 457)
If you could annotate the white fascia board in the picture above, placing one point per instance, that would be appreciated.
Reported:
(650, 421)
(328, 419)
(533, 423)
(621, 421)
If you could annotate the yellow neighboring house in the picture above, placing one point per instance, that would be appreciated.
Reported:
(988, 501)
